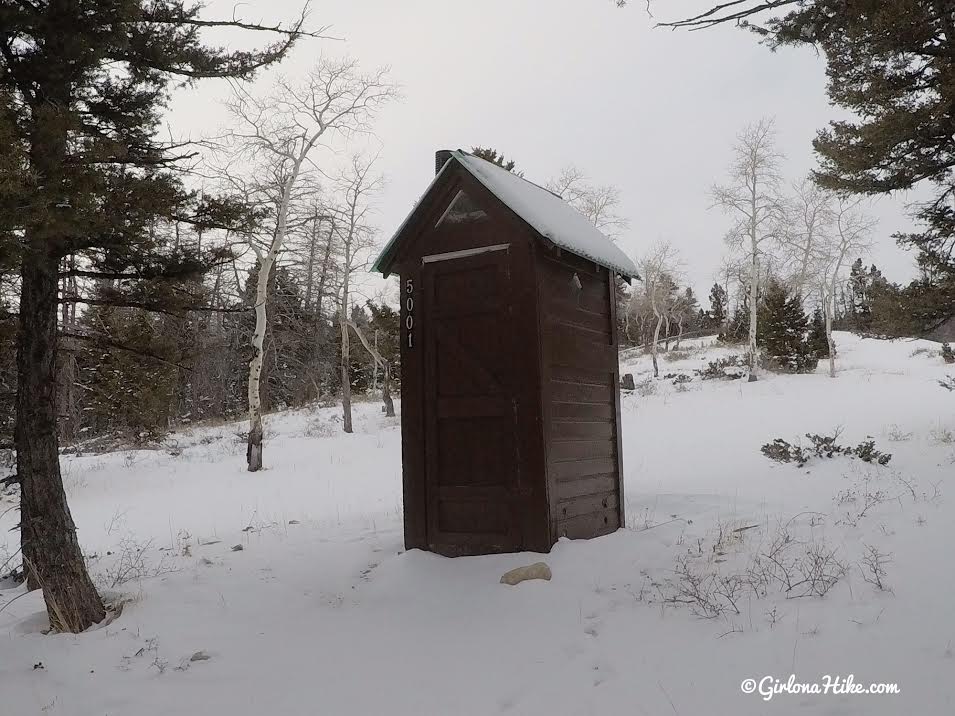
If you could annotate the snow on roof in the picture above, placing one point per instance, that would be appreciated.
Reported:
(551, 216)
(544, 211)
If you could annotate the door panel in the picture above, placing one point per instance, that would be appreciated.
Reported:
(472, 466)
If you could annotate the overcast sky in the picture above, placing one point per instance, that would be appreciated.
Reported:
(558, 82)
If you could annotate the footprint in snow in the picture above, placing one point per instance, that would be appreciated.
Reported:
(365, 574)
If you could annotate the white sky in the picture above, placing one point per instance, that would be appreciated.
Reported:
(557, 82)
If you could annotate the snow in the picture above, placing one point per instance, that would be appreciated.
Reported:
(550, 215)
(322, 611)
(544, 211)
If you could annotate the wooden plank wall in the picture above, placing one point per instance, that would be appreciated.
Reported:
(579, 396)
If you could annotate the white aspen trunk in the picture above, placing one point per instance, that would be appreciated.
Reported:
(254, 450)
(753, 296)
(346, 379)
(323, 276)
(266, 262)
(803, 274)
(831, 305)
(679, 335)
(374, 378)
(656, 343)
(830, 309)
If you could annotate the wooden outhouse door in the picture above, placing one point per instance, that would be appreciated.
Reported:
(470, 402)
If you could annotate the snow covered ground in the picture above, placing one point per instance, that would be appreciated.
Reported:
(322, 612)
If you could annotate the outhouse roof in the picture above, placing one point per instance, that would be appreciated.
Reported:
(545, 212)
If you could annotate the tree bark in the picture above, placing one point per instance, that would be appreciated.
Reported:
(310, 265)
(830, 310)
(266, 262)
(831, 342)
(346, 383)
(51, 552)
(753, 297)
(655, 346)
(254, 450)
(346, 379)
(326, 265)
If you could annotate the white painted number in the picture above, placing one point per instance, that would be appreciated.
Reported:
(409, 311)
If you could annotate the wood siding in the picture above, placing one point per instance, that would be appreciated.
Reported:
(580, 399)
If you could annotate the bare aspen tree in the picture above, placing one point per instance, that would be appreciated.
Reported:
(753, 197)
(850, 235)
(809, 217)
(357, 185)
(658, 269)
(386, 398)
(279, 136)
(599, 203)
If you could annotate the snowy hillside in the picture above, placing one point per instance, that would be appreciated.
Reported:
(288, 591)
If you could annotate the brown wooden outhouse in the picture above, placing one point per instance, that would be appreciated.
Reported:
(510, 400)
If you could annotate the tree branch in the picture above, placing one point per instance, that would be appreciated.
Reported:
(151, 307)
(102, 341)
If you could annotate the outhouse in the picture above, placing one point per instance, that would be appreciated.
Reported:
(510, 400)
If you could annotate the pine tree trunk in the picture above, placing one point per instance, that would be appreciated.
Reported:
(254, 450)
(51, 552)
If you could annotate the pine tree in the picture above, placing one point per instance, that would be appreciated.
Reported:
(129, 372)
(8, 373)
(491, 155)
(717, 314)
(736, 330)
(783, 329)
(86, 83)
(818, 343)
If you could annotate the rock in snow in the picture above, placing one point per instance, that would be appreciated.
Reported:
(538, 570)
